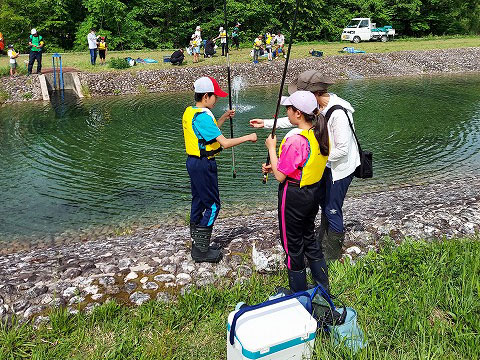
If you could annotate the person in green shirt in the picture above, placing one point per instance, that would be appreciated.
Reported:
(236, 35)
(36, 46)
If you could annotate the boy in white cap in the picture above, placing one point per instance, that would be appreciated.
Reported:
(302, 158)
(13, 55)
(35, 42)
(203, 141)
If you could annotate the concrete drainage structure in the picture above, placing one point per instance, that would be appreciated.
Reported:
(71, 82)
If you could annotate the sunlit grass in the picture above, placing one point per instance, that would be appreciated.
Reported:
(81, 60)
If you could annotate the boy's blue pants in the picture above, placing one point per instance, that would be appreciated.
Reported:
(205, 194)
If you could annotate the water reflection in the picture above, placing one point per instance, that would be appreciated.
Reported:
(90, 162)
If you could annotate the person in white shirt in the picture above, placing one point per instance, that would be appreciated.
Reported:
(342, 160)
(13, 55)
(92, 46)
(280, 42)
(222, 35)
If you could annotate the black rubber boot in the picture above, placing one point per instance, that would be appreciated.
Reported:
(332, 246)
(297, 280)
(213, 246)
(200, 246)
(320, 273)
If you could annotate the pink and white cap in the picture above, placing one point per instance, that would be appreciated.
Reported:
(304, 101)
(208, 84)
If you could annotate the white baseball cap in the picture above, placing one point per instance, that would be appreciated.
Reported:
(197, 28)
(304, 101)
(33, 32)
(221, 28)
(208, 84)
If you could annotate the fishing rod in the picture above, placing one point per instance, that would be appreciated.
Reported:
(292, 34)
(234, 172)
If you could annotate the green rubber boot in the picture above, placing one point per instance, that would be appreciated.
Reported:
(213, 246)
(332, 246)
(201, 252)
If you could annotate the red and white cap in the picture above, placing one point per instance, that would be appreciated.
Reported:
(208, 84)
(304, 101)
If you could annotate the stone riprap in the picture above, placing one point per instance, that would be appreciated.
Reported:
(155, 263)
(341, 67)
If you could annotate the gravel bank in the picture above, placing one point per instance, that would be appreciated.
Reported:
(155, 263)
(341, 67)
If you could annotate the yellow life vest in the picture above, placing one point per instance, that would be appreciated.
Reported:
(102, 45)
(223, 34)
(193, 145)
(257, 44)
(312, 169)
(269, 40)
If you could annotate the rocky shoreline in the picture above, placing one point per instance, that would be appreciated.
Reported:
(340, 67)
(154, 263)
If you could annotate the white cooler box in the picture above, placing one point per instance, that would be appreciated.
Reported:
(278, 329)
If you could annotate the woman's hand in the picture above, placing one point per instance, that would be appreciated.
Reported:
(257, 123)
(266, 168)
(271, 143)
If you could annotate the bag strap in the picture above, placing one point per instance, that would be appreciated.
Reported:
(339, 107)
(245, 309)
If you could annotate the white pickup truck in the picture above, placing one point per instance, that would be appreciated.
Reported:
(362, 29)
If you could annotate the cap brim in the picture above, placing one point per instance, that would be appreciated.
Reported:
(292, 88)
(220, 93)
(285, 101)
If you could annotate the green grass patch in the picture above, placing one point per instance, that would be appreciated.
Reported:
(420, 300)
(81, 60)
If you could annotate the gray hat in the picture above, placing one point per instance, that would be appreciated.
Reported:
(310, 80)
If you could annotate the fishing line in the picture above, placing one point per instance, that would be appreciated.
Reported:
(292, 34)
(234, 172)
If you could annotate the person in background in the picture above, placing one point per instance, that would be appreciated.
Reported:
(342, 160)
(223, 39)
(102, 50)
(196, 48)
(268, 45)
(257, 47)
(203, 141)
(301, 161)
(280, 44)
(236, 35)
(177, 57)
(13, 55)
(92, 45)
(36, 46)
(198, 33)
(209, 48)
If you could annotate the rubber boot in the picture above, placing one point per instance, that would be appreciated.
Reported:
(211, 246)
(332, 246)
(322, 230)
(200, 246)
(297, 280)
(320, 273)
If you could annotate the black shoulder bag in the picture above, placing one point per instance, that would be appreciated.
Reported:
(365, 169)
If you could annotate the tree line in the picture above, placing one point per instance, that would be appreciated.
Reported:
(137, 24)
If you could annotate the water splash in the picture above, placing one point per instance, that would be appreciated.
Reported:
(239, 84)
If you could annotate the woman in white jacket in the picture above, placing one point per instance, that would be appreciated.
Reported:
(342, 160)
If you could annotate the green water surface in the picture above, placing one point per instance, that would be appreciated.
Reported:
(72, 164)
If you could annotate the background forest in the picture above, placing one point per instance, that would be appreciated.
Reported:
(137, 24)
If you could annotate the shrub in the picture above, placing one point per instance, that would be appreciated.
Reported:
(119, 63)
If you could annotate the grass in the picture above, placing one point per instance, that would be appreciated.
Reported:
(81, 60)
(420, 300)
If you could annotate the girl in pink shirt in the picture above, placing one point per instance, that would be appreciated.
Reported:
(299, 167)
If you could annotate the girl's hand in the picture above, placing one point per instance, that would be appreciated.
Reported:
(253, 137)
(257, 123)
(266, 168)
(271, 143)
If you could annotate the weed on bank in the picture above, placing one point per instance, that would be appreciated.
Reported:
(420, 300)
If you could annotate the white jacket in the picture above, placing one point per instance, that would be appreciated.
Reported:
(343, 158)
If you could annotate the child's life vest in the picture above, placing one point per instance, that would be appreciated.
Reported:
(102, 45)
(268, 41)
(257, 44)
(193, 145)
(312, 169)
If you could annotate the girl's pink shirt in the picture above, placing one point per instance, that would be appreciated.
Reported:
(294, 153)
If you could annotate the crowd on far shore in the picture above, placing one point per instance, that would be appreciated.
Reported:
(268, 45)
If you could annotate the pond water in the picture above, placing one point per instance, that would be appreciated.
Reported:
(115, 161)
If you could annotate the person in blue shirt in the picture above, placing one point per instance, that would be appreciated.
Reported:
(203, 141)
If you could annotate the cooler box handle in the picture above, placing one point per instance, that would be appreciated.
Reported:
(245, 309)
